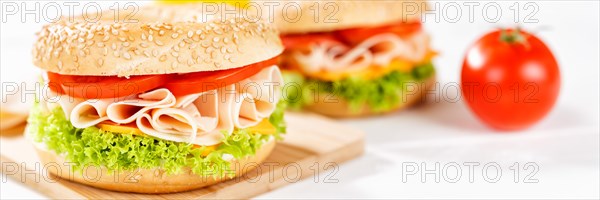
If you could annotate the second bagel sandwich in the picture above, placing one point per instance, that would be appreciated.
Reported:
(358, 58)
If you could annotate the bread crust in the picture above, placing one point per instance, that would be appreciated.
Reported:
(147, 181)
(164, 40)
(342, 14)
(341, 108)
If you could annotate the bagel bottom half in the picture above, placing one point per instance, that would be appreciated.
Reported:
(342, 109)
(148, 181)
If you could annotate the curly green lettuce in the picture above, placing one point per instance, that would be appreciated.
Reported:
(379, 94)
(119, 151)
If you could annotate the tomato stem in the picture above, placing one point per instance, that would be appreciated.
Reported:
(512, 36)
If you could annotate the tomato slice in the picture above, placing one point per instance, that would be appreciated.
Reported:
(297, 41)
(203, 81)
(351, 36)
(357, 35)
(100, 87)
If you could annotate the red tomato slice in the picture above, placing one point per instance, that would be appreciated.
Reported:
(297, 41)
(99, 87)
(357, 35)
(203, 81)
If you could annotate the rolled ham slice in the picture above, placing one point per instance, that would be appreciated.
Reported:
(129, 110)
(89, 113)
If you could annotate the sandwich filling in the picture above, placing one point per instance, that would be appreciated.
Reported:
(363, 65)
(160, 128)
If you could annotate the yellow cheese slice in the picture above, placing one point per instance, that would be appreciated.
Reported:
(372, 72)
(264, 128)
(120, 128)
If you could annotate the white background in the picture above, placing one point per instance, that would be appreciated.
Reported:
(565, 145)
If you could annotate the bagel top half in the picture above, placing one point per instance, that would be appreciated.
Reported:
(159, 39)
(297, 17)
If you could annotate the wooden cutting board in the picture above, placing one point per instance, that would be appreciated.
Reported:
(310, 139)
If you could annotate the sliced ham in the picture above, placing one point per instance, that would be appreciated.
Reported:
(128, 110)
(378, 50)
(199, 118)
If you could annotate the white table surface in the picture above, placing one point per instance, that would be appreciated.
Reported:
(565, 145)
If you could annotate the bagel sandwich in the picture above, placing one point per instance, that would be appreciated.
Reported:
(167, 104)
(367, 58)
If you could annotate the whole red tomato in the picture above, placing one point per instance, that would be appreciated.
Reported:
(510, 79)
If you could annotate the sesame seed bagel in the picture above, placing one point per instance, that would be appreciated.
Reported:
(342, 14)
(164, 40)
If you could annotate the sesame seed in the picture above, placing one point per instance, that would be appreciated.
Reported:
(143, 44)
(143, 36)
(175, 54)
(100, 62)
(127, 55)
(190, 34)
(205, 44)
(174, 35)
(150, 38)
(125, 44)
(154, 52)
(158, 42)
(162, 58)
